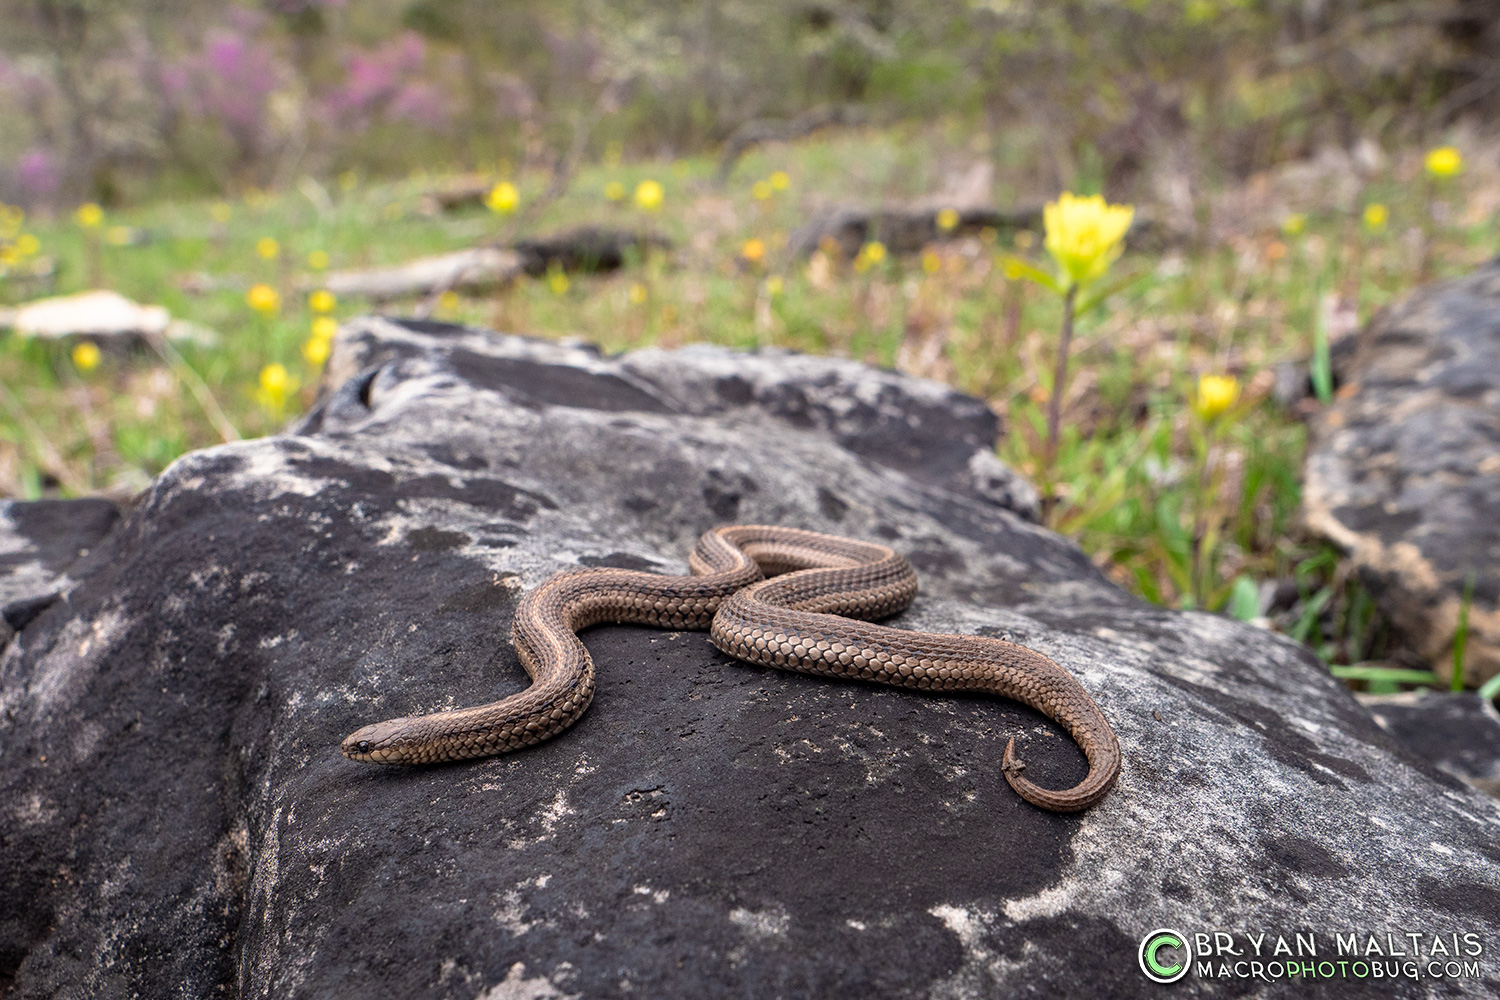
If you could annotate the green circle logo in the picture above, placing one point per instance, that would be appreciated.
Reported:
(1165, 955)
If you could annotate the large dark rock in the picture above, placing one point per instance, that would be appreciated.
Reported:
(178, 821)
(39, 541)
(1404, 471)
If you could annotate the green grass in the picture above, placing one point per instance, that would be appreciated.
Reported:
(1134, 490)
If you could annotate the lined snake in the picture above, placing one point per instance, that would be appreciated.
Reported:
(778, 597)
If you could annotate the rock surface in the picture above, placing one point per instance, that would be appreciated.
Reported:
(38, 543)
(1404, 471)
(1459, 732)
(177, 820)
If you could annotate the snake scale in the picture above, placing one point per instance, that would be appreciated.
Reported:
(773, 596)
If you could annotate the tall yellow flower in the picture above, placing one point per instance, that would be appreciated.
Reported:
(649, 195)
(1085, 235)
(322, 301)
(263, 299)
(267, 248)
(614, 191)
(315, 350)
(503, 198)
(1216, 394)
(781, 180)
(753, 250)
(1445, 161)
(89, 215)
(86, 356)
(276, 384)
(947, 219)
(1376, 216)
(869, 255)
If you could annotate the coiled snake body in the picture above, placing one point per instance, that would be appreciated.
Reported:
(773, 596)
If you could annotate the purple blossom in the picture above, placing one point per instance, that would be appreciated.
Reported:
(386, 82)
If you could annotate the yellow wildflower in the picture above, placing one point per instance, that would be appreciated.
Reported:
(1216, 393)
(649, 195)
(774, 285)
(348, 181)
(263, 299)
(325, 327)
(1445, 161)
(322, 301)
(503, 198)
(1294, 224)
(931, 262)
(267, 248)
(119, 236)
(614, 191)
(761, 190)
(753, 250)
(637, 293)
(89, 215)
(558, 282)
(27, 244)
(276, 384)
(780, 180)
(86, 356)
(220, 212)
(315, 350)
(448, 302)
(870, 254)
(1375, 217)
(317, 260)
(947, 219)
(1085, 235)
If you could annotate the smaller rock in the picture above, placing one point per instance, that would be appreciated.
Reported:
(466, 270)
(1403, 469)
(903, 229)
(98, 313)
(586, 248)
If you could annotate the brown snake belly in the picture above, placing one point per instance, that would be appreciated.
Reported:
(780, 597)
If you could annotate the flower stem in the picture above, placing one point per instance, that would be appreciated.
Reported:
(1054, 405)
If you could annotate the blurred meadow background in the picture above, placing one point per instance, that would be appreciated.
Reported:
(1292, 165)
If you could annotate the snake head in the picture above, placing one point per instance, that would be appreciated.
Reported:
(377, 743)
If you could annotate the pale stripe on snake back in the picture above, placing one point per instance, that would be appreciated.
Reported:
(781, 597)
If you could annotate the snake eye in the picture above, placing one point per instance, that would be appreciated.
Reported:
(364, 746)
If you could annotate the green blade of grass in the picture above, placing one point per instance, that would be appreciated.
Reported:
(1393, 674)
